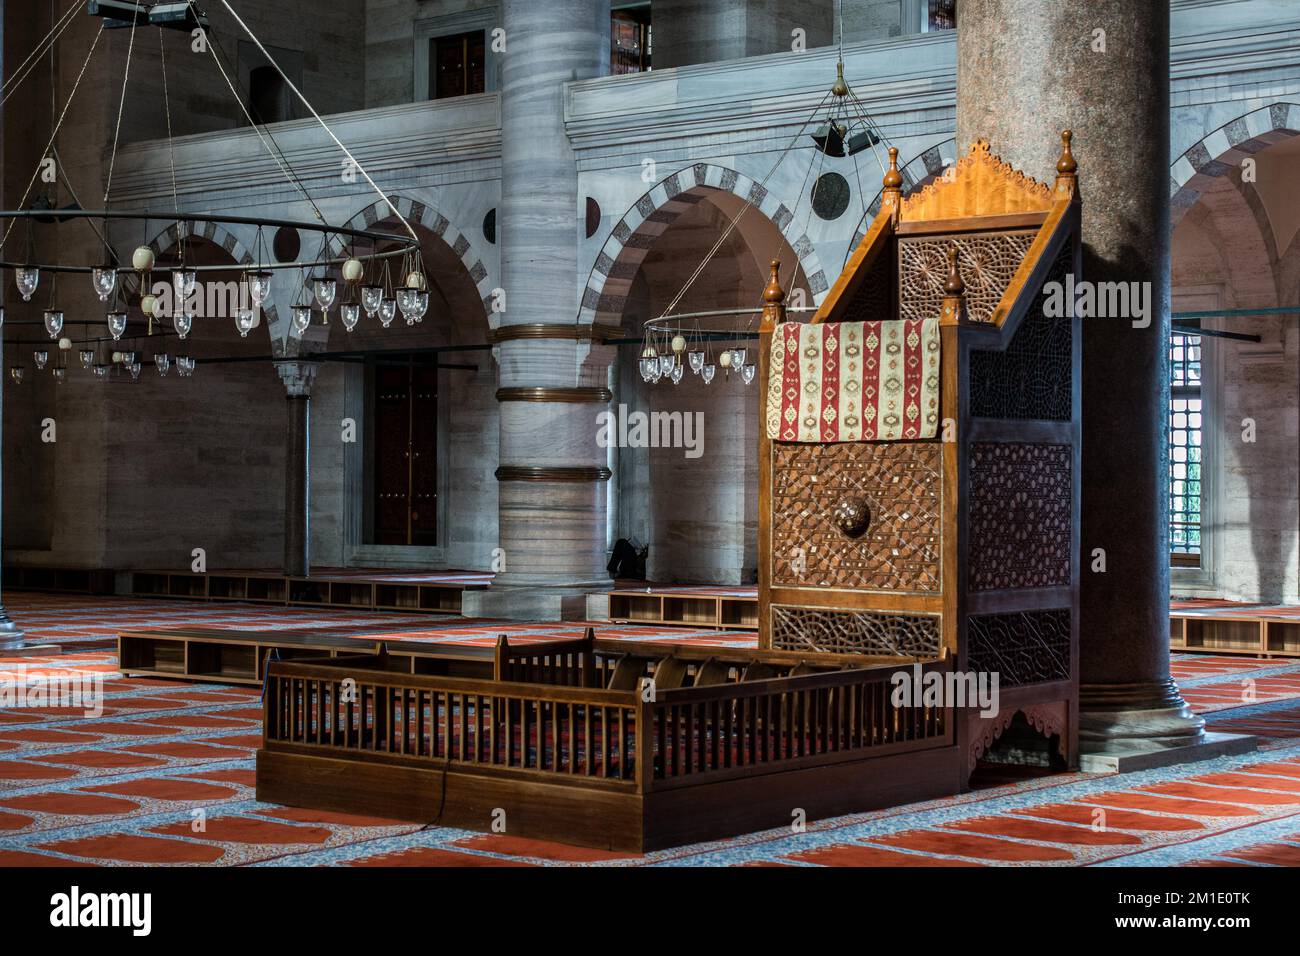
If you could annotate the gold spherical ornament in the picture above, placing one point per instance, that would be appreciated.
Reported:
(353, 270)
(679, 343)
(415, 280)
(148, 303)
(142, 259)
(724, 358)
(65, 345)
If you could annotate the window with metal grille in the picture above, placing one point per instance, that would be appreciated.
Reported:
(1185, 447)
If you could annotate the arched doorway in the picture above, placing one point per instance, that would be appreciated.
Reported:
(1233, 470)
(418, 486)
(695, 503)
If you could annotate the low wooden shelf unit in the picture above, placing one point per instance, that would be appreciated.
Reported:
(260, 587)
(1266, 632)
(699, 609)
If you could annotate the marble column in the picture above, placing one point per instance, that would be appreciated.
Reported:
(1027, 70)
(298, 378)
(11, 637)
(553, 382)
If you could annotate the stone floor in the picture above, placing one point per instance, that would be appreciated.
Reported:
(165, 774)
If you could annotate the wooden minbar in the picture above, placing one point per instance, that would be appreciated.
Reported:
(919, 521)
(919, 460)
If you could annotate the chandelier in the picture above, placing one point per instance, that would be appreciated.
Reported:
(351, 270)
(708, 341)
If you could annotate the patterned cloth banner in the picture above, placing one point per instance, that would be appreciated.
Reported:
(854, 381)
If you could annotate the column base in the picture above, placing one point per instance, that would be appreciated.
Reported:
(31, 650)
(1138, 726)
(530, 602)
(13, 640)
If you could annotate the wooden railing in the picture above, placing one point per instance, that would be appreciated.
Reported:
(351, 711)
(353, 708)
(699, 734)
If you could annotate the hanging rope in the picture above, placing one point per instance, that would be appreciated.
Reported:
(262, 137)
(54, 133)
(33, 59)
(749, 202)
(121, 105)
(325, 126)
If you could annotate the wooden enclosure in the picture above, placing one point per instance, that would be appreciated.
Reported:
(611, 744)
(935, 537)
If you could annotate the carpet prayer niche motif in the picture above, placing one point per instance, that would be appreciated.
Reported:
(123, 787)
(854, 381)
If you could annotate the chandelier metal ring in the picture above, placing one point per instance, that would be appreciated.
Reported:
(403, 245)
(689, 322)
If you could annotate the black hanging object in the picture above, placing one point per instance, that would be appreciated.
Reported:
(829, 138)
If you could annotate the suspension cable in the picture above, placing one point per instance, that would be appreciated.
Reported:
(338, 142)
(749, 202)
(28, 65)
(121, 105)
(54, 133)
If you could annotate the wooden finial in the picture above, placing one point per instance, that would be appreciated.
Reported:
(773, 298)
(1066, 163)
(774, 293)
(954, 292)
(1067, 179)
(891, 197)
(954, 284)
(893, 179)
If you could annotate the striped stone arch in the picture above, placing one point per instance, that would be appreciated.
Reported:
(419, 213)
(215, 233)
(616, 266)
(1222, 151)
(917, 173)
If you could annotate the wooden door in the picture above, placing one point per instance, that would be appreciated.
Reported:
(405, 453)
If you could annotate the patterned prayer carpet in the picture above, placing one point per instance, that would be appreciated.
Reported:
(165, 774)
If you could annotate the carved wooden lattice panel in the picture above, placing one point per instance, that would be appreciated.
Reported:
(1020, 515)
(901, 485)
(988, 261)
(1027, 647)
(1033, 378)
(855, 632)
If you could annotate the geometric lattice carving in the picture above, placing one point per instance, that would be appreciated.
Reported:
(1033, 378)
(855, 632)
(901, 484)
(987, 260)
(1020, 515)
(1025, 647)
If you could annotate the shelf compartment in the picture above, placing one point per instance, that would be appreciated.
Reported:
(637, 608)
(151, 654)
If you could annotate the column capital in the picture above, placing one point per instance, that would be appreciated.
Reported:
(298, 377)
